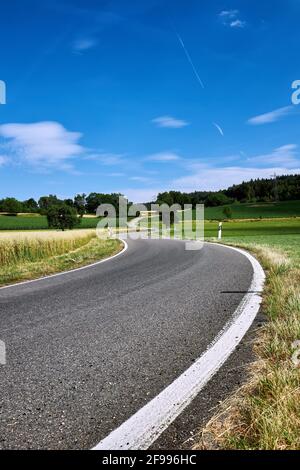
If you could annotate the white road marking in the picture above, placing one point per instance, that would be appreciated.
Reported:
(70, 271)
(145, 426)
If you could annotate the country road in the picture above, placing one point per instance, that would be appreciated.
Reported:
(88, 349)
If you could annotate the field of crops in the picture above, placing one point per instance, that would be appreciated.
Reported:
(34, 222)
(21, 247)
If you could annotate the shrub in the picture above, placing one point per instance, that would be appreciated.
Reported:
(62, 217)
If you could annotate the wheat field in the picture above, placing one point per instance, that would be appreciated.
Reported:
(20, 247)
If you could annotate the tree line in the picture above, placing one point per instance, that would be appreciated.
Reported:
(82, 203)
(61, 213)
(281, 188)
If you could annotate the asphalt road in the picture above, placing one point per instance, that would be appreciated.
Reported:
(87, 349)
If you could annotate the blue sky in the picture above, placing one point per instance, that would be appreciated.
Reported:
(145, 96)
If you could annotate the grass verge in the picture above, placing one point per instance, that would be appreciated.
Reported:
(265, 413)
(43, 261)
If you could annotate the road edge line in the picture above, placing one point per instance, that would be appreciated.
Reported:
(147, 424)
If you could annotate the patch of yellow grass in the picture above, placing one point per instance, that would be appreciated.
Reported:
(18, 247)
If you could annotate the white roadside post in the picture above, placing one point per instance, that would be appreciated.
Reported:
(220, 231)
(2, 353)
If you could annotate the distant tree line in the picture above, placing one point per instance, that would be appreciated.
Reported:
(281, 188)
(61, 213)
(81, 203)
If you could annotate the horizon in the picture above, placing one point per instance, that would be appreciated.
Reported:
(145, 98)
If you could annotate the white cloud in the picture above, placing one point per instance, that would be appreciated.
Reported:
(109, 159)
(44, 145)
(163, 157)
(141, 179)
(231, 18)
(237, 24)
(282, 160)
(214, 179)
(271, 116)
(81, 45)
(219, 128)
(229, 13)
(3, 160)
(169, 122)
(285, 155)
(116, 174)
(141, 194)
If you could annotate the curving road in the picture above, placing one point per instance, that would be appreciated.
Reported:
(87, 349)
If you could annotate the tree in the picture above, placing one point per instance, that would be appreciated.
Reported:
(227, 212)
(45, 202)
(217, 199)
(30, 205)
(94, 200)
(11, 205)
(80, 203)
(69, 202)
(62, 217)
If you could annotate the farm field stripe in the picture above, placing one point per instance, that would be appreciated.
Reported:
(145, 426)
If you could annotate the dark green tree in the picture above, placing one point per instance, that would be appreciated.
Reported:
(30, 205)
(45, 202)
(217, 199)
(62, 217)
(80, 204)
(11, 205)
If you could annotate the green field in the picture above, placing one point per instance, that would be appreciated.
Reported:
(258, 229)
(37, 222)
(256, 211)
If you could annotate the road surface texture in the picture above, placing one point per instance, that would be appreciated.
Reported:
(87, 349)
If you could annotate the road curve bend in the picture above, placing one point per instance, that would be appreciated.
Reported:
(88, 349)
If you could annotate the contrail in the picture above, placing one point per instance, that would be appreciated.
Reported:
(219, 129)
(189, 59)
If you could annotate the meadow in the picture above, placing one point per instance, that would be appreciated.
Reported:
(256, 230)
(38, 222)
(256, 210)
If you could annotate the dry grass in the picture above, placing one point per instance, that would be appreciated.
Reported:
(29, 255)
(21, 246)
(265, 412)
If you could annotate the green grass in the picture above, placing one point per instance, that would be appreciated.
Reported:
(38, 222)
(255, 230)
(264, 413)
(271, 232)
(256, 211)
(289, 244)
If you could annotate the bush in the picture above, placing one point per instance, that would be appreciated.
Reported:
(62, 217)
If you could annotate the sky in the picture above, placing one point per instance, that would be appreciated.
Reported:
(145, 96)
